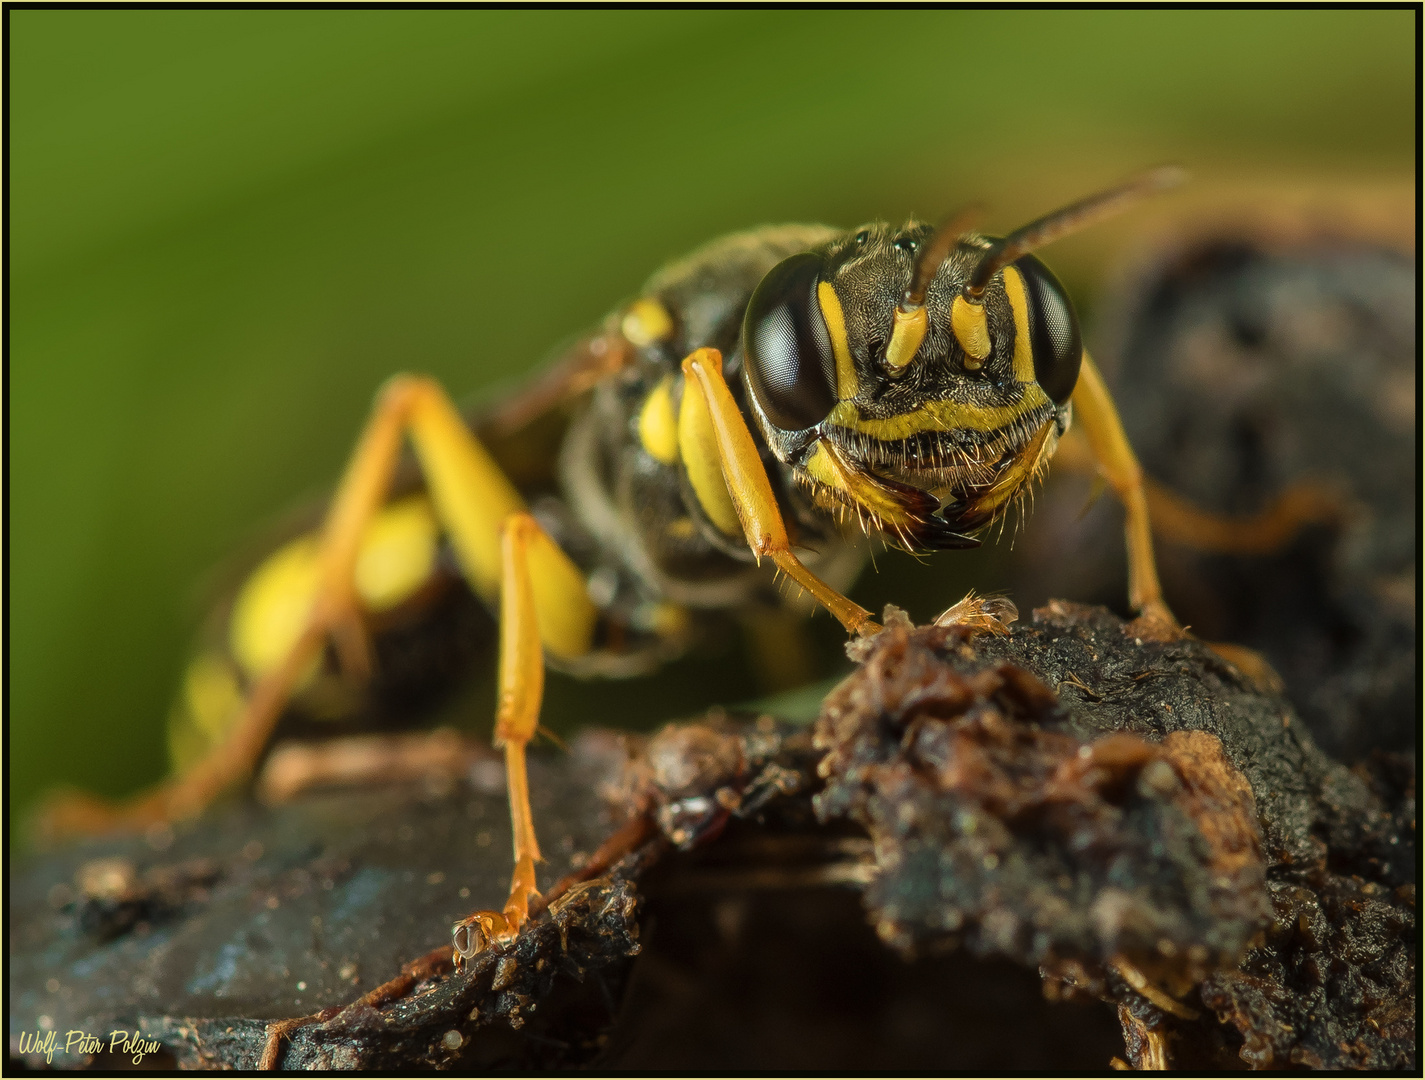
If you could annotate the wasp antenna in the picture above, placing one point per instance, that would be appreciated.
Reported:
(910, 324)
(936, 251)
(1071, 218)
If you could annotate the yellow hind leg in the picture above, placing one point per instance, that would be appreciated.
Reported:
(472, 498)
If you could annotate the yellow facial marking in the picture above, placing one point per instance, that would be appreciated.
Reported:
(906, 336)
(847, 385)
(646, 322)
(697, 446)
(940, 416)
(971, 330)
(1023, 348)
(826, 466)
(658, 423)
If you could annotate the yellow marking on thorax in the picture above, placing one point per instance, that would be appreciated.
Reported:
(967, 320)
(847, 384)
(826, 467)
(658, 423)
(697, 446)
(940, 416)
(646, 322)
(396, 557)
(1023, 347)
(681, 529)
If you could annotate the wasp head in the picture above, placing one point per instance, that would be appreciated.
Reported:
(924, 447)
(919, 378)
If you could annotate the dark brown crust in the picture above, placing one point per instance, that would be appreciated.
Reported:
(1161, 833)
(1281, 880)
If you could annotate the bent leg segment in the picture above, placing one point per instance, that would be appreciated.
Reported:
(751, 490)
(472, 498)
(525, 547)
(1094, 408)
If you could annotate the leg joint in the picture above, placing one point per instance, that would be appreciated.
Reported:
(404, 390)
(521, 525)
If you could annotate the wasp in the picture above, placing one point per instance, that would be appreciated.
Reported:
(782, 396)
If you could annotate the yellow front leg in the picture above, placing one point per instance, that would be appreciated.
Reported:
(1094, 409)
(751, 492)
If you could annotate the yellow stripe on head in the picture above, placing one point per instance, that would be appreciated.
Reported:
(940, 416)
(1023, 347)
(847, 384)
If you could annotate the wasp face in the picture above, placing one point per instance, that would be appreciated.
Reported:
(921, 442)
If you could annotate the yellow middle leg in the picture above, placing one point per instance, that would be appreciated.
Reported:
(1178, 520)
(502, 551)
(525, 546)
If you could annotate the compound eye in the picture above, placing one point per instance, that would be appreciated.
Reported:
(1053, 330)
(790, 365)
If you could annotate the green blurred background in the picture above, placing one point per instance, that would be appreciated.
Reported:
(228, 227)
